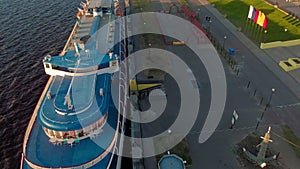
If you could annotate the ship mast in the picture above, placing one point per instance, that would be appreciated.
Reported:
(67, 97)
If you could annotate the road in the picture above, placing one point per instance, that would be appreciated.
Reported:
(217, 151)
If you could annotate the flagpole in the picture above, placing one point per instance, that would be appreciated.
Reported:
(259, 34)
(249, 17)
(265, 35)
(247, 26)
(253, 30)
(250, 29)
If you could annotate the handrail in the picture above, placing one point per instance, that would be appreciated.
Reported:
(124, 85)
(33, 117)
(85, 165)
(69, 39)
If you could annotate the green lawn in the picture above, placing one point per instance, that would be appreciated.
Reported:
(237, 11)
(141, 6)
(181, 150)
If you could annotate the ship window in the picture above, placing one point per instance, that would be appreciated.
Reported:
(61, 134)
(99, 123)
(87, 129)
(80, 133)
(72, 134)
(47, 65)
(45, 129)
(65, 134)
(50, 132)
(94, 126)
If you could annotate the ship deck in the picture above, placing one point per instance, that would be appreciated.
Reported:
(88, 105)
(43, 153)
(93, 58)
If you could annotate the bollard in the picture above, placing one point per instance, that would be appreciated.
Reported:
(248, 85)
(254, 92)
(261, 100)
(267, 105)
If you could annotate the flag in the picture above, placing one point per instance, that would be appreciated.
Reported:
(256, 16)
(253, 13)
(265, 24)
(250, 13)
(261, 19)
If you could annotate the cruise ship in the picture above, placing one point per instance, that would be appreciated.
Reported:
(76, 123)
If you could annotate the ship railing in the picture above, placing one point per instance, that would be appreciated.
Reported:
(123, 85)
(85, 165)
(69, 39)
(22, 161)
(33, 118)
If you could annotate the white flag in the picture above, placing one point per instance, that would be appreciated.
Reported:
(250, 11)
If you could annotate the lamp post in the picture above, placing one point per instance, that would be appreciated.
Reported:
(169, 134)
(265, 38)
(270, 98)
(209, 23)
(149, 49)
(198, 14)
(225, 37)
(267, 105)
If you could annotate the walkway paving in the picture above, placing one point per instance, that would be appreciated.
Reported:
(270, 59)
(289, 6)
(250, 55)
(269, 67)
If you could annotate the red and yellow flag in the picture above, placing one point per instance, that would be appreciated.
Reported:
(261, 19)
(257, 13)
(265, 23)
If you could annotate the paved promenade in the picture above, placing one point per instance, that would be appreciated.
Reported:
(262, 67)
(289, 6)
(268, 75)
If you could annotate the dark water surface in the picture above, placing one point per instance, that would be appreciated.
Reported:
(29, 29)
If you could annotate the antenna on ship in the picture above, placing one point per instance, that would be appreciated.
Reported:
(67, 97)
(76, 49)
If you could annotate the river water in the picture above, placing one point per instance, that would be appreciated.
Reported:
(29, 29)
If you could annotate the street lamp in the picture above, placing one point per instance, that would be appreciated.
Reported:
(169, 132)
(210, 21)
(225, 37)
(270, 98)
(267, 105)
(149, 48)
(265, 39)
(198, 13)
